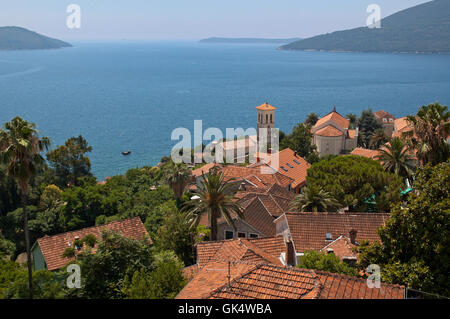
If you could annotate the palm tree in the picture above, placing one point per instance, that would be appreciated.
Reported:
(20, 149)
(431, 128)
(314, 199)
(177, 175)
(378, 138)
(214, 198)
(396, 158)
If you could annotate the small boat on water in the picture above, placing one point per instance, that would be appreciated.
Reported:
(126, 153)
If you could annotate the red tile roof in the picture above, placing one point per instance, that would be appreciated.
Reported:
(342, 247)
(308, 230)
(329, 131)
(239, 280)
(337, 286)
(204, 169)
(267, 250)
(53, 247)
(255, 176)
(336, 118)
(289, 164)
(365, 152)
(383, 115)
(266, 107)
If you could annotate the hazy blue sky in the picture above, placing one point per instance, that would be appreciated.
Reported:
(193, 19)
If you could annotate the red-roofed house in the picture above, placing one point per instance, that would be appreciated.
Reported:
(387, 120)
(288, 163)
(47, 251)
(331, 134)
(364, 152)
(260, 208)
(251, 280)
(316, 231)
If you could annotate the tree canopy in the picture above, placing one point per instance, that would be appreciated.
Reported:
(352, 180)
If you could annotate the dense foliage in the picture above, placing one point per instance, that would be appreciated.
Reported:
(352, 180)
(326, 262)
(415, 249)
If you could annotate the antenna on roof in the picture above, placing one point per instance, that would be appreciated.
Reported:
(334, 108)
(229, 273)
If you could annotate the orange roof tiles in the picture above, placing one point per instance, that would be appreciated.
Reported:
(212, 276)
(204, 169)
(338, 286)
(383, 115)
(266, 281)
(342, 247)
(329, 131)
(266, 250)
(270, 282)
(308, 230)
(335, 117)
(351, 133)
(266, 107)
(254, 176)
(289, 164)
(401, 123)
(53, 247)
(372, 154)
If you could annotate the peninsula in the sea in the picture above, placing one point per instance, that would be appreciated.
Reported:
(421, 29)
(248, 40)
(17, 38)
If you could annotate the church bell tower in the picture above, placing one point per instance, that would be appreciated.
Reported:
(266, 119)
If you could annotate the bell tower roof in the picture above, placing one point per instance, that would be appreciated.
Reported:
(266, 107)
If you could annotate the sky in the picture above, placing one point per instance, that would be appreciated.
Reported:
(193, 19)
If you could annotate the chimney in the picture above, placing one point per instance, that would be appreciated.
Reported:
(290, 253)
(353, 234)
(242, 187)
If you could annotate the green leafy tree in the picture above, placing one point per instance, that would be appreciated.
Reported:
(7, 248)
(378, 139)
(216, 199)
(10, 272)
(314, 199)
(325, 262)
(300, 141)
(176, 235)
(351, 180)
(415, 240)
(115, 258)
(46, 285)
(164, 282)
(368, 125)
(431, 128)
(353, 120)
(396, 158)
(311, 119)
(70, 161)
(177, 175)
(20, 148)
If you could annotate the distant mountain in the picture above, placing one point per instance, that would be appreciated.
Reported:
(248, 40)
(424, 28)
(16, 38)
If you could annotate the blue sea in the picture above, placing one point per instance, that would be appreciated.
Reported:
(131, 95)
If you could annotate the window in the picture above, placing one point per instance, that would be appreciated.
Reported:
(391, 120)
(284, 168)
(297, 162)
(254, 236)
(241, 235)
(329, 236)
(289, 165)
(271, 119)
(229, 234)
(267, 118)
(384, 119)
